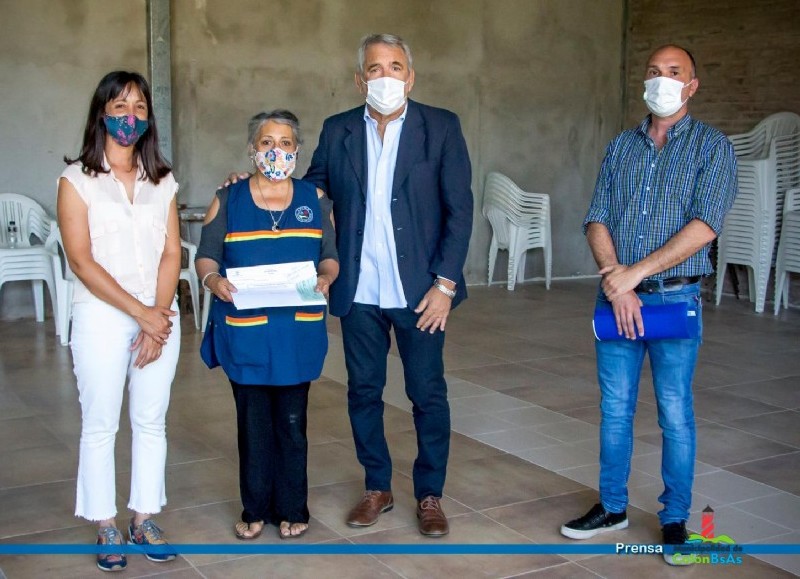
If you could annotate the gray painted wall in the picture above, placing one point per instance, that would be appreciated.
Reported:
(537, 84)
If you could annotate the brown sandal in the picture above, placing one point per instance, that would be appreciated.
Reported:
(285, 530)
(248, 531)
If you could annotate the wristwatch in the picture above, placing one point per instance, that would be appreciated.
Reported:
(444, 289)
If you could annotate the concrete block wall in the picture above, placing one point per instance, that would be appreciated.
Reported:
(536, 84)
(52, 55)
(540, 85)
(747, 56)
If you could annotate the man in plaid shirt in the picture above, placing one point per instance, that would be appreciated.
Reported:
(660, 200)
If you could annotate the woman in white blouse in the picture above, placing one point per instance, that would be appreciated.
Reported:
(119, 222)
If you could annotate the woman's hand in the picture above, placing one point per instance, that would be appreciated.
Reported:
(221, 287)
(327, 272)
(155, 322)
(149, 350)
(323, 284)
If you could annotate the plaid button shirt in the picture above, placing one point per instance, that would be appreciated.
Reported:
(645, 196)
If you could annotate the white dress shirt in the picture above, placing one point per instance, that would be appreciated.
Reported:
(379, 278)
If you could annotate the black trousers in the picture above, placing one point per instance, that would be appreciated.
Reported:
(273, 452)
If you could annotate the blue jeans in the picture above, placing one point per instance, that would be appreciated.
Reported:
(619, 367)
(366, 339)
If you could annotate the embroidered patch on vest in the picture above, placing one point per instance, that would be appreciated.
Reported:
(304, 214)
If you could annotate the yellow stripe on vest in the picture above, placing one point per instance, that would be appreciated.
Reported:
(309, 316)
(243, 322)
(267, 234)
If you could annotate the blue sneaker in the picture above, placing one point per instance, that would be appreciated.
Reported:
(148, 534)
(110, 561)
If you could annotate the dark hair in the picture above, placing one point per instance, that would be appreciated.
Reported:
(94, 135)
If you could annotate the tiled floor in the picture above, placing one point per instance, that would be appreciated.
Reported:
(523, 459)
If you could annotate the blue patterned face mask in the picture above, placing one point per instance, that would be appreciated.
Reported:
(125, 129)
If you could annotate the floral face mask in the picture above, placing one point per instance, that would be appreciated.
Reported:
(275, 164)
(125, 129)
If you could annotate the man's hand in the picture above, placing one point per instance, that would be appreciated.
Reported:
(628, 314)
(234, 178)
(618, 280)
(434, 307)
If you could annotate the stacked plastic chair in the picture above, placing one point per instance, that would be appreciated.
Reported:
(748, 236)
(189, 274)
(788, 258)
(65, 283)
(768, 159)
(26, 261)
(520, 221)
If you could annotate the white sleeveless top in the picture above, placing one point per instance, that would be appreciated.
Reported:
(127, 238)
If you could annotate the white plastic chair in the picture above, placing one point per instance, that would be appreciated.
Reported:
(788, 258)
(520, 221)
(65, 284)
(748, 235)
(768, 166)
(189, 273)
(208, 297)
(756, 142)
(26, 261)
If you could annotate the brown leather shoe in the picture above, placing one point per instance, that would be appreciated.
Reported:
(432, 521)
(369, 508)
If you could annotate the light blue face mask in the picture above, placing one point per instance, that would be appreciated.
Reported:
(125, 129)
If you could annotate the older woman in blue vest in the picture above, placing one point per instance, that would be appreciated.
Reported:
(269, 354)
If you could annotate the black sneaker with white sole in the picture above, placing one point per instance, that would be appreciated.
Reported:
(596, 521)
(675, 534)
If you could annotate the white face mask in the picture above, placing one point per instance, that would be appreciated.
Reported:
(662, 95)
(386, 94)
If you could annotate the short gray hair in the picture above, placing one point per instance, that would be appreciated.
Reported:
(281, 116)
(389, 39)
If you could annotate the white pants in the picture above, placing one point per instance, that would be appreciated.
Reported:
(101, 340)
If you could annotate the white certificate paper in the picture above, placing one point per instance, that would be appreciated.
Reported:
(279, 285)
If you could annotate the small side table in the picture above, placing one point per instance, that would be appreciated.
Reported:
(188, 216)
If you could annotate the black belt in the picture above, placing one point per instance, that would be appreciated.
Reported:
(651, 286)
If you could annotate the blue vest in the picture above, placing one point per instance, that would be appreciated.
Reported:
(268, 346)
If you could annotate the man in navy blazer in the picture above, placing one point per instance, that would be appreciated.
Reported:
(399, 175)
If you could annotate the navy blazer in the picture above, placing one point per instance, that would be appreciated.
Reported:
(431, 199)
